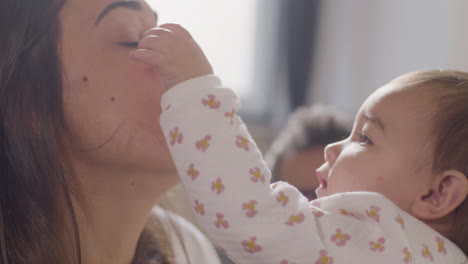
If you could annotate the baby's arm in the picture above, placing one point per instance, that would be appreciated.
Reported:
(219, 163)
(228, 183)
(228, 186)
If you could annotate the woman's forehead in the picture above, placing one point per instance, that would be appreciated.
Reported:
(85, 16)
(96, 8)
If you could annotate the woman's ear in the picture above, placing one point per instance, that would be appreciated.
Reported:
(448, 191)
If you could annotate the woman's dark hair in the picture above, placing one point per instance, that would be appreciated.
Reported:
(34, 193)
(32, 180)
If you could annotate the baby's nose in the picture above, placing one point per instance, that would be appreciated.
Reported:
(331, 152)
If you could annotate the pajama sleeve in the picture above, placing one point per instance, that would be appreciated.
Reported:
(228, 185)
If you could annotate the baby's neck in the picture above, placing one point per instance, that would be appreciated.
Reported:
(442, 225)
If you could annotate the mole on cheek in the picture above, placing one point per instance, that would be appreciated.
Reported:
(85, 78)
(112, 99)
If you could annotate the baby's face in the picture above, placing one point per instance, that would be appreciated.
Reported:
(390, 150)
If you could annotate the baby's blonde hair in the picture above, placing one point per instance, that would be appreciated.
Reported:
(450, 131)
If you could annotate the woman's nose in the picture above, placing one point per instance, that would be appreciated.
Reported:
(332, 151)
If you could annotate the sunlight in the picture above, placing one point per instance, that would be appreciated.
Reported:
(224, 29)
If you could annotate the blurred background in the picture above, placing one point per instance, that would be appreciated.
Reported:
(282, 54)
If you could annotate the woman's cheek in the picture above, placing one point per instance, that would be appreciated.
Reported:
(146, 75)
(147, 90)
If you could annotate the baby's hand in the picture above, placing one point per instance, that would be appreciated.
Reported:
(172, 51)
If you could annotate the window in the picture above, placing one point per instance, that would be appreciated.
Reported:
(224, 29)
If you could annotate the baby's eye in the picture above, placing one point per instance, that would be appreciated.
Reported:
(363, 139)
(132, 44)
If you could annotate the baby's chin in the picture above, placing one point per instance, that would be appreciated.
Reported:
(321, 192)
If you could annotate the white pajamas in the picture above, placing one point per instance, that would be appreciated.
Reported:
(228, 184)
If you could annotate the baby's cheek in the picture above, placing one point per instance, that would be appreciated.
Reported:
(348, 179)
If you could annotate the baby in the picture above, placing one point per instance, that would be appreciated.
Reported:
(394, 191)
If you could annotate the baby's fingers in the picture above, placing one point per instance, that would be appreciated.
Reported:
(156, 43)
(177, 29)
(157, 31)
(150, 57)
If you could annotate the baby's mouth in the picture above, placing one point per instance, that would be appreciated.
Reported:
(321, 180)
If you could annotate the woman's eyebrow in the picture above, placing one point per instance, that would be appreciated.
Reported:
(120, 4)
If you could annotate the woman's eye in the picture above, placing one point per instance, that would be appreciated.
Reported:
(363, 139)
(133, 44)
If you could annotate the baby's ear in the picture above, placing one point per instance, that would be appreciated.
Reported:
(448, 191)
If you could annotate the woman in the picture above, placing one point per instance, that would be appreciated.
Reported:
(82, 157)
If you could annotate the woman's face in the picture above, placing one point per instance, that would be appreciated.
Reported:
(111, 102)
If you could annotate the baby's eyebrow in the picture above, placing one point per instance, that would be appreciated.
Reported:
(375, 120)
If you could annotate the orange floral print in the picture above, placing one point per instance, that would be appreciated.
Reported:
(295, 219)
(250, 208)
(230, 115)
(175, 136)
(340, 238)
(282, 198)
(199, 208)
(377, 246)
(324, 258)
(251, 245)
(426, 253)
(211, 102)
(217, 186)
(441, 246)
(399, 220)
(344, 212)
(408, 257)
(204, 143)
(221, 222)
(257, 175)
(373, 213)
(192, 172)
(242, 143)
